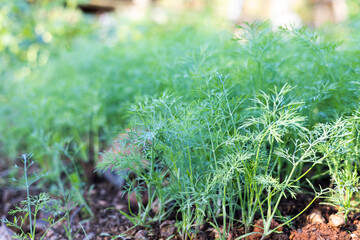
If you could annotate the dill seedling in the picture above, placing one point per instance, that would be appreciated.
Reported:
(29, 209)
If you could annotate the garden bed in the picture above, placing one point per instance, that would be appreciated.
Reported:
(258, 137)
(105, 201)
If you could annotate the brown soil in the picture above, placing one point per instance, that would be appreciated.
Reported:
(106, 201)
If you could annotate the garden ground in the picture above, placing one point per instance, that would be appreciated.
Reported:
(105, 201)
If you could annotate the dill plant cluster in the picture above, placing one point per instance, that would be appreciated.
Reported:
(233, 153)
(223, 130)
(220, 155)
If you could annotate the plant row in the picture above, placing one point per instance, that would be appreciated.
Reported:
(227, 161)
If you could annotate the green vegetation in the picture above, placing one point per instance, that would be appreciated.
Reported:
(220, 123)
(27, 211)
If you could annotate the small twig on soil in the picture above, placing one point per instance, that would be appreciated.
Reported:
(75, 213)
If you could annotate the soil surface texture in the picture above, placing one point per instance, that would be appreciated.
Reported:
(318, 222)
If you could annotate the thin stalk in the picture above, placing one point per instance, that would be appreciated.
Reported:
(271, 216)
(212, 147)
(191, 171)
(229, 109)
(224, 211)
(28, 196)
(270, 154)
(149, 183)
(290, 220)
(258, 152)
(35, 215)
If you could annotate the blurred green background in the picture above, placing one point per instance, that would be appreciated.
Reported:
(70, 70)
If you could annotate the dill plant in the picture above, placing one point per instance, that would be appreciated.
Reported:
(149, 177)
(30, 208)
(273, 145)
(55, 209)
(342, 162)
(220, 155)
(324, 68)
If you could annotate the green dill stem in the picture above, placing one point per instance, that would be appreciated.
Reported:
(258, 151)
(149, 183)
(271, 214)
(191, 172)
(269, 204)
(35, 213)
(270, 154)
(186, 217)
(251, 203)
(273, 230)
(53, 224)
(356, 138)
(76, 189)
(212, 147)
(170, 169)
(231, 213)
(257, 154)
(289, 184)
(224, 212)
(28, 195)
(254, 188)
(216, 225)
(251, 189)
(68, 222)
(242, 201)
(347, 203)
(192, 180)
(229, 109)
(260, 203)
(273, 192)
(160, 197)
(245, 211)
(296, 180)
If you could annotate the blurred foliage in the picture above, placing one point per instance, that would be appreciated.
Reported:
(31, 33)
(354, 8)
(69, 79)
(74, 79)
(29, 29)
